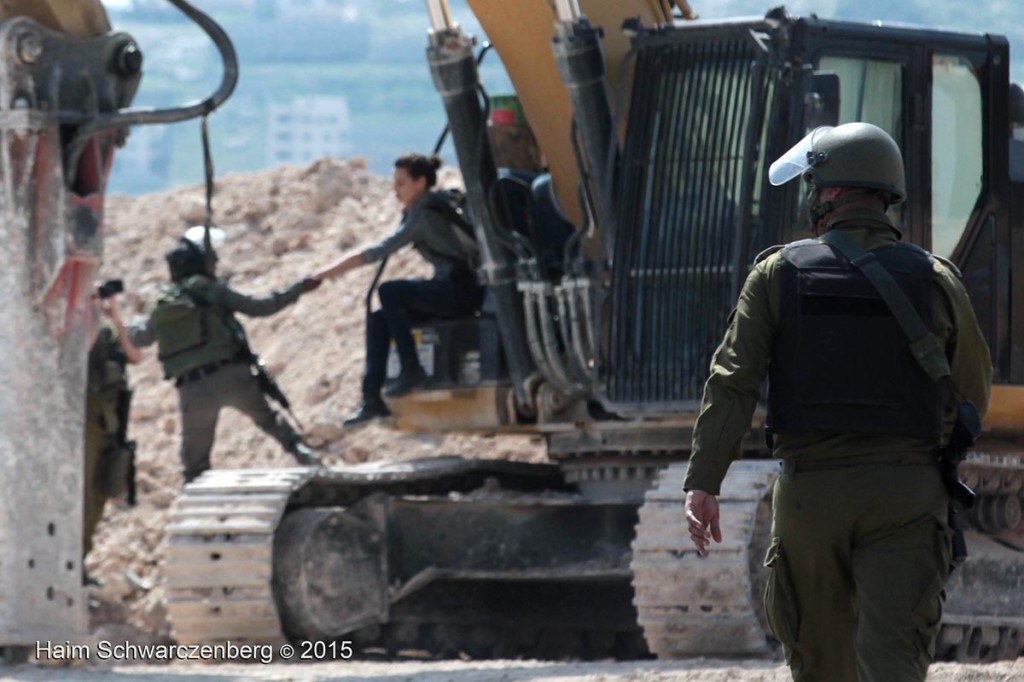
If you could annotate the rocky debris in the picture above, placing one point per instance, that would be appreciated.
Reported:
(281, 224)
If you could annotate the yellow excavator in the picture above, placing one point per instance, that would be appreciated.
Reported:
(610, 274)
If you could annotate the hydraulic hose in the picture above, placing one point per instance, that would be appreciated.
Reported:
(582, 345)
(570, 333)
(533, 335)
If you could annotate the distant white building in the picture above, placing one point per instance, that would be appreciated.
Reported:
(307, 128)
(320, 9)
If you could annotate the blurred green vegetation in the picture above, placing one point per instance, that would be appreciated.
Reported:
(377, 64)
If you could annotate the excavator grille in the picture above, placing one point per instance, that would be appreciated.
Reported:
(680, 250)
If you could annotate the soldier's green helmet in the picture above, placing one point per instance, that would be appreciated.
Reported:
(849, 155)
(192, 255)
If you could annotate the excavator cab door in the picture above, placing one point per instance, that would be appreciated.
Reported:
(944, 99)
(687, 221)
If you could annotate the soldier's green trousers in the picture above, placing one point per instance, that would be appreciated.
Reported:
(96, 440)
(859, 559)
(201, 402)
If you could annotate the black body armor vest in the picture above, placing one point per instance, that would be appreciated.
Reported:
(841, 363)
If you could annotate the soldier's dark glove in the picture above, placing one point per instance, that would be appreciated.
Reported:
(309, 284)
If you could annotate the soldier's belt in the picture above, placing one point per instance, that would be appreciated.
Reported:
(799, 466)
(203, 371)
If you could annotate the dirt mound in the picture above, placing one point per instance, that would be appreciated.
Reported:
(281, 225)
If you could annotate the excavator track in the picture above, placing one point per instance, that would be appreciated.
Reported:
(998, 480)
(689, 606)
(984, 614)
(219, 555)
(219, 565)
(219, 560)
(979, 639)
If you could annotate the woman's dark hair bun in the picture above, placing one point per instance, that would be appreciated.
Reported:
(418, 166)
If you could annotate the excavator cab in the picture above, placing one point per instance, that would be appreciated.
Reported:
(669, 195)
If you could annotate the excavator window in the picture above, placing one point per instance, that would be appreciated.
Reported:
(957, 163)
(870, 90)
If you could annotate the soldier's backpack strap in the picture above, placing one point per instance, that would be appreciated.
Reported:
(949, 264)
(923, 344)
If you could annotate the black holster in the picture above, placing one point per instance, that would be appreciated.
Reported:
(966, 430)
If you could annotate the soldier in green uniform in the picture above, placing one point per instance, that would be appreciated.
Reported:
(107, 384)
(861, 545)
(203, 349)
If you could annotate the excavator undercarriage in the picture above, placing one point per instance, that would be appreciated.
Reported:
(492, 559)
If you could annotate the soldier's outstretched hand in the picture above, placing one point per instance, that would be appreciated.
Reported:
(702, 515)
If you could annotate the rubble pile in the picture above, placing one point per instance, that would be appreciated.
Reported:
(282, 224)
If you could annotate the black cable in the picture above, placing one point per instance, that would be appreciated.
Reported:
(506, 236)
(373, 286)
(208, 169)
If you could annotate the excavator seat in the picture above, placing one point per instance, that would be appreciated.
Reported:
(463, 352)
(466, 352)
(532, 211)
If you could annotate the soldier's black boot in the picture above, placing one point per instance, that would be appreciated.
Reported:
(370, 408)
(304, 454)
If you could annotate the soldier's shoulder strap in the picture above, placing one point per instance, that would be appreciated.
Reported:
(923, 344)
(949, 264)
(772, 250)
(201, 289)
(768, 252)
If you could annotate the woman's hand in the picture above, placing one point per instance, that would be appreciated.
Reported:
(350, 261)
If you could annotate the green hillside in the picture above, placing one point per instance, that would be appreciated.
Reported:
(376, 62)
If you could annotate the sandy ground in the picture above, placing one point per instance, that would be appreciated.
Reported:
(699, 670)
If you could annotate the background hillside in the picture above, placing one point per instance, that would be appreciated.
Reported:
(368, 60)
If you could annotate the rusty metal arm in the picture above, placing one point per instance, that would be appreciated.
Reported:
(148, 115)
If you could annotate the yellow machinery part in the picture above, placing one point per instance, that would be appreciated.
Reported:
(82, 18)
(686, 10)
(1005, 412)
(521, 32)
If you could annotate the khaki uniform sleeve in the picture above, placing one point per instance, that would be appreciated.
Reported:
(254, 306)
(738, 368)
(970, 363)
